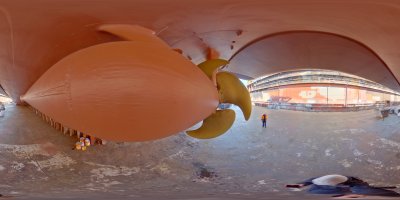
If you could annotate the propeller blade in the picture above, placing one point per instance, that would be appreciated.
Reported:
(214, 125)
(231, 90)
(210, 66)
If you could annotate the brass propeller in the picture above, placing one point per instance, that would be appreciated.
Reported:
(231, 90)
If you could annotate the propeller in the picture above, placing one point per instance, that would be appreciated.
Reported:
(230, 90)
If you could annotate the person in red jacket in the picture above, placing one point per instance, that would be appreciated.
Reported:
(264, 118)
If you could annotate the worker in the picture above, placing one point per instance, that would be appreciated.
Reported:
(264, 118)
(82, 141)
(78, 145)
(87, 142)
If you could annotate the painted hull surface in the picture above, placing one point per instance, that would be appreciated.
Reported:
(125, 91)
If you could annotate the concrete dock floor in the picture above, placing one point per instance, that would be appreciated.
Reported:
(248, 162)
